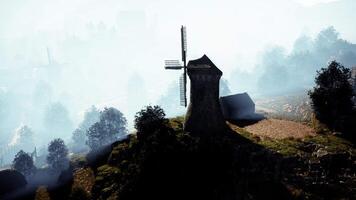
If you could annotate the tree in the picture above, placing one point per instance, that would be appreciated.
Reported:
(57, 120)
(169, 101)
(57, 155)
(79, 138)
(148, 120)
(224, 87)
(91, 116)
(326, 38)
(111, 126)
(23, 163)
(331, 97)
(79, 135)
(23, 138)
(274, 72)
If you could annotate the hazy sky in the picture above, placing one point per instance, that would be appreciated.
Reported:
(136, 36)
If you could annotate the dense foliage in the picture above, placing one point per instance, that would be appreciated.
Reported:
(57, 158)
(332, 97)
(149, 120)
(111, 126)
(23, 163)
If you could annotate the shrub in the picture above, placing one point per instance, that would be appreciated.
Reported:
(148, 120)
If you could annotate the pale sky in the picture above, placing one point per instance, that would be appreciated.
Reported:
(313, 2)
(231, 32)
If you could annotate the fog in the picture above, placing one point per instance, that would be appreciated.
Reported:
(58, 58)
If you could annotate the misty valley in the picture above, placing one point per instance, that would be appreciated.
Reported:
(119, 100)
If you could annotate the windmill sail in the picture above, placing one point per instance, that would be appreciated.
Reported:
(176, 65)
(184, 43)
(182, 92)
(172, 64)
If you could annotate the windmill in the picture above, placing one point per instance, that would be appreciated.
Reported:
(176, 65)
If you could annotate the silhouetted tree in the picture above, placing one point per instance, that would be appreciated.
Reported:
(331, 97)
(23, 163)
(148, 120)
(111, 126)
(57, 155)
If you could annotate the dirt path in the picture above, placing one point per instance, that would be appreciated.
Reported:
(280, 129)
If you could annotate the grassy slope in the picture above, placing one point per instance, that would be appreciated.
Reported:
(106, 175)
(291, 146)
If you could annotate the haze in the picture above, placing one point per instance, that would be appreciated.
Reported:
(111, 53)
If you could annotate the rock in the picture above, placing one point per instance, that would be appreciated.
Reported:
(321, 153)
(11, 180)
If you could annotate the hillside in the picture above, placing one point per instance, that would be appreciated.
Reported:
(170, 164)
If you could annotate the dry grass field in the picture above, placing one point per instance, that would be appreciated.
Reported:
(280, 129)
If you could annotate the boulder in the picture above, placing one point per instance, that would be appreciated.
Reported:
(11, 180)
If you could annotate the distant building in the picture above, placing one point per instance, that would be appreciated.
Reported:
(238, 107)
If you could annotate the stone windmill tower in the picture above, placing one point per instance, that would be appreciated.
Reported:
(204, 115)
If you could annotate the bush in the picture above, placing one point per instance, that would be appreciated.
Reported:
(148, 120)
